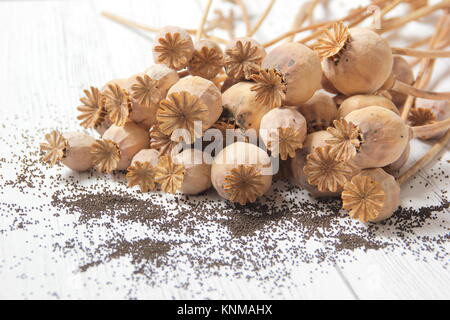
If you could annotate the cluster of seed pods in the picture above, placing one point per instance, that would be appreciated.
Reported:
(329, 114)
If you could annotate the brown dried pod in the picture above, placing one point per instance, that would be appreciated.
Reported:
(316, 139)
(371, 196)
(92, 111)
(429, 112)
(173, 47)
(356, 61)
(361, 101)
(161, 142)
(372, 137)
(118, 146)
(118, 104)
(395, 167)
(190, 99)
(299, 178)
(197, 176)
(401, 70)
(240, 173)
(323, 170)
(207, 61)
(243, 57)
(150, 87)
(169, 174)
(283, 131)
(320, 111)
(72, 149)
(141, 172)
(290, 75)
(240, 101)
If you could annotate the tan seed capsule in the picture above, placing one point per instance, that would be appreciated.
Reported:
(197, 176)
(173, 47)
(283, 131)
(362, 101)
(240, 173)
(243, 57)
(371, 196)
(240, 101)
(207, 61)
(118, 147)
(71, 149)
(356, 61)
(320, 111)
(290, 75)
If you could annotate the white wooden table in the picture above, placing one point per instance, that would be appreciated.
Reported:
(51, 50)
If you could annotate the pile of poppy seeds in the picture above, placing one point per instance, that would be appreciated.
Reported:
(340, 115)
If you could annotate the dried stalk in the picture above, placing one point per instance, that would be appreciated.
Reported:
(245, 16)
(133, 24)
(426, 159)
(421, 53)
(422, 12)
(201, 28)
(427, 64)
(261, 19)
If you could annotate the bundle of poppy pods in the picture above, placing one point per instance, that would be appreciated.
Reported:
(336, 116)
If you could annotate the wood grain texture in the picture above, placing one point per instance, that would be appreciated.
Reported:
(59, 48)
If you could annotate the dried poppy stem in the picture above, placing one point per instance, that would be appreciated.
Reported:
(261, 19)
(421, 53)
(201, 28)
(368, 13)
(427, 64)
(133, 24)
(390, 6)
(294, 32)
(419, 93)
(304, 13)
(426, 159)
(325, 24)
(139, 26)
(419, 43)
(245, 15)
(430, 129)
(422, 12)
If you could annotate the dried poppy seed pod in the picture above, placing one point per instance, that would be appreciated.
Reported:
(71, 149)
(371, 196)
(150, 87)
(324, 170)
(356, 61)
(428, 112)
(161, 142)
(118, 146)
(92, 111)
(316, 139)
(372, 137)
(243, 57)
(401, 70)
(299, 178)
(207, 61)
(240, 101)
(395, 167)
(361, 101)
(290, 75)
(283, 131)
(240, 173)
(197, 176)
(146, 155)
(320, 111)
(141, 172)
(191, 99)
(173, 47)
